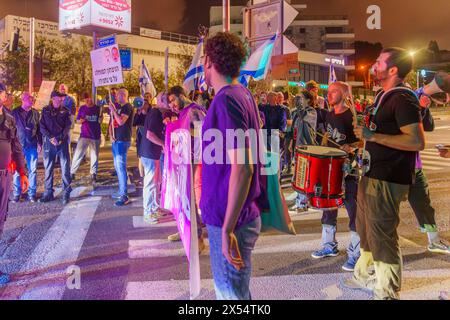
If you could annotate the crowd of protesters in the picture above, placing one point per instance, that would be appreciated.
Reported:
(227, 196)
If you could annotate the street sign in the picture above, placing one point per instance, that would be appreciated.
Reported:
(126, 58)
(106, 41)
(264, 19)
(285, 66)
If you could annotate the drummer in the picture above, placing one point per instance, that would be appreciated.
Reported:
(339, 134)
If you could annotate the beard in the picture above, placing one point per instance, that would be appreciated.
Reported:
(380, 76)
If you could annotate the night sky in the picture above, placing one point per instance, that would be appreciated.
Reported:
(406, 23)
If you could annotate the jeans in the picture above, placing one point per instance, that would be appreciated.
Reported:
(229, 283)
(152, 185)
(50, 153)
(31, 158)
(329, 217)
(82, 146)
(119, 150)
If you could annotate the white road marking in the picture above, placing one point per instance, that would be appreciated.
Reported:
(297, 287)
(58, 250)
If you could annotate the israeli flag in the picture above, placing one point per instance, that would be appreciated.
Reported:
(332, 77)
(258, 64)
(145, 81)
(195, 77)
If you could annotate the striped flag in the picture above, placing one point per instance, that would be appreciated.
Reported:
(145, 81)
(332, 77)
(258, 64)
(195, 77)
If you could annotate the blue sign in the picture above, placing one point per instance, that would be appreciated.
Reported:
(106, 41)
(126, 58)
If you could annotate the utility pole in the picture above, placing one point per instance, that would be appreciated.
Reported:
(31, 59)
(226, 15)
(94, 46)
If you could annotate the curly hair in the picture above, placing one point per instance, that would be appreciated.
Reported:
(227, 53)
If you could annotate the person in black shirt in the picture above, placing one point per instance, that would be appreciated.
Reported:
(275, 118)
(27, 120)
(10, 153)
(394, 134)
(151, 147)
(139, 122)
(419, 194)
(120, 132)
(55, 126)
(339, 132)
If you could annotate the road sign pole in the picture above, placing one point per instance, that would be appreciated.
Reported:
(31, 58)
(226, 15)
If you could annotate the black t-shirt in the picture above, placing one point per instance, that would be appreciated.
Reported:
(123, 133)
(340, 128)
(399, 109)
(153, 123)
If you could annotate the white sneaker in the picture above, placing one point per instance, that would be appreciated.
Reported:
(151, 218)
(439, 247)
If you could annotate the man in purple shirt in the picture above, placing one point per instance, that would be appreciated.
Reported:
(230, 190)
(90, 116)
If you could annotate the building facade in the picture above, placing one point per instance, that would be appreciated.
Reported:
(144, 43)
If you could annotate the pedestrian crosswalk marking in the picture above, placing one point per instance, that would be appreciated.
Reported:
(58, 250)
(280, 287)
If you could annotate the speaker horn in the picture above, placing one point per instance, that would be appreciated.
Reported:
(440, 83)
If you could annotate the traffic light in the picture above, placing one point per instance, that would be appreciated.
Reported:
(46, 68)
(14, 43)
(37, 72)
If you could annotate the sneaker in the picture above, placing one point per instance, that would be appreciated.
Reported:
(123, 201)
(349, 265)
(354, 284)
(4, 279)
(46, 198)
(15, 199)
(325, 252)
(32, 199)
(174, 237)
(298, 209)
(201, 245)
(66, 199)
(439, 247)
(151, 218)
(116, 195)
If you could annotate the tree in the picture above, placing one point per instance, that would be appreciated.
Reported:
(14, 68)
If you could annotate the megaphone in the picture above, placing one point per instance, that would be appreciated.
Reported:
(440, 83)
(138, 103)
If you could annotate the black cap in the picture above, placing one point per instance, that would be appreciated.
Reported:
(2, 87)
(56, 94)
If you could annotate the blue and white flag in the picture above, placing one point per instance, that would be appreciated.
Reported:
(145, 81)
(258, 64)
(332, 77)
(195, 77)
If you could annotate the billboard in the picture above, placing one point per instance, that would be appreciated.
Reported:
(110, 14)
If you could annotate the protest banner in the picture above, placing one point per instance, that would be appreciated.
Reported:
(106, 66)
(177, 192)
(45, 91)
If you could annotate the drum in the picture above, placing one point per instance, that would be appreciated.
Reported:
(319, 175)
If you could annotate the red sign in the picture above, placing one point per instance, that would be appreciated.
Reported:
(72, 4)
(115, 5)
